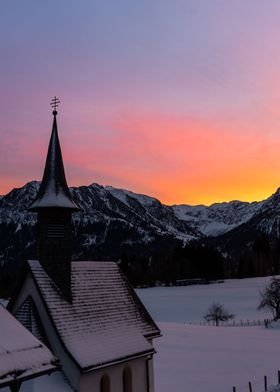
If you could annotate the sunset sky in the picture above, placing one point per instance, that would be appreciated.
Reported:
(178, 99)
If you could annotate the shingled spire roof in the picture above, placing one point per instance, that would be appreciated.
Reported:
(54, 192)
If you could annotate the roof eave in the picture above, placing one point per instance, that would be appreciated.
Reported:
(119, 360)
(153, 335)
(34, 208)
(48, 370)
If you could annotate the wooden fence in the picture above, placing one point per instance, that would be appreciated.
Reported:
(234, 323)
(260, 385)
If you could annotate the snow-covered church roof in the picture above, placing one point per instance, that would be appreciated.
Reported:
(54, 190)
(105, 322)
(22, 356)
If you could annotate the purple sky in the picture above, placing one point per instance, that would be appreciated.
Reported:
(178, 99)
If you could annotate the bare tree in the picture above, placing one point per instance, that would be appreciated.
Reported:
(270, 298)
(217, 313)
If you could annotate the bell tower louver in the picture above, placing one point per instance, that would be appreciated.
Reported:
(54, 206)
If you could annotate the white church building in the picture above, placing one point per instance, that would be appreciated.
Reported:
(85, 312)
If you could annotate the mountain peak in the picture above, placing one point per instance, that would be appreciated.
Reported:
(113, 220)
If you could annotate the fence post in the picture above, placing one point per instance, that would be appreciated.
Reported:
(233, 389)
(265, 383)
(250, 387)
(278, 376)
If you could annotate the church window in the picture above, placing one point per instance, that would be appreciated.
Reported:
(127, 380)
(105, 384)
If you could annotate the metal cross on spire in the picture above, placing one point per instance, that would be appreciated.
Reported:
(54, 104)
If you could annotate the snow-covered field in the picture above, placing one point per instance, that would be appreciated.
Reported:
(193, 358)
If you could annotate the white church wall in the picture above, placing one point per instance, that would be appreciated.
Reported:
(150, 370)
(140, 369)
(69, 367)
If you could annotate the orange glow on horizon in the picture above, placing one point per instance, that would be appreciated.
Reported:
(177, 160)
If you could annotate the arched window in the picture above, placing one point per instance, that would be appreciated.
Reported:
(105, 384)
(127, 380)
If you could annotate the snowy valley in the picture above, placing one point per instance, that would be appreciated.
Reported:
(198, 358)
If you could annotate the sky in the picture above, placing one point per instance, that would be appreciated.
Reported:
(177, 99)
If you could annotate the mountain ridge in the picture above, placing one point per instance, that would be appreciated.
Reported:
(114, 221)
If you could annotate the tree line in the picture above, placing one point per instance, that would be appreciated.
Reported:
(262, 258)
(169, 261)
(204, 261)
(191, 261)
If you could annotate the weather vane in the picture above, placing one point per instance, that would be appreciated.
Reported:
(54, 104)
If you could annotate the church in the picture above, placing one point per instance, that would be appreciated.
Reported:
(85, 312)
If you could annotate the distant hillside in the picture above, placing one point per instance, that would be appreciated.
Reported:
(115, 222)
(110, 222)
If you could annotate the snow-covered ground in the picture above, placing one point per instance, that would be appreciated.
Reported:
(189, 303)
(193, 358)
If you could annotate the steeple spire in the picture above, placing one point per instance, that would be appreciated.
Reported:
(54, 205)
(54, 191)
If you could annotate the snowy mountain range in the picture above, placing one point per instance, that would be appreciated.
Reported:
(113, 220)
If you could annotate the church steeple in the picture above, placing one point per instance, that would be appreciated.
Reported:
(54, 206)
(54, 191)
